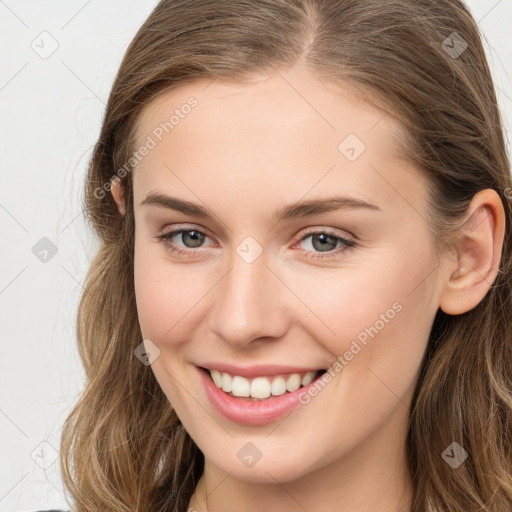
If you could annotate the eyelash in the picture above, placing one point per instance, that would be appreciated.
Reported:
(348, 243)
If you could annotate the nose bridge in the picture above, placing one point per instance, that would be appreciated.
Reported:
(247, 301)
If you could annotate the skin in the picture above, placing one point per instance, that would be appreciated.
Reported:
(245, 151)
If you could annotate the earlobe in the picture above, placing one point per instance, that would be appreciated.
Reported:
(479, 246)
(117, 191)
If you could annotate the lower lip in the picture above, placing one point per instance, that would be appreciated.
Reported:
(250, 412)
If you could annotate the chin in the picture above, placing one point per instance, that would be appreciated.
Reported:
(268, 470)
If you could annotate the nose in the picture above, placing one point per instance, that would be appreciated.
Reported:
(251, 303)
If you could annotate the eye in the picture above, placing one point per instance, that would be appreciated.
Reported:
(322, 241)
(189, 236)
(325, 240)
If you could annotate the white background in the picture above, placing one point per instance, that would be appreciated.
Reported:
(50, 115)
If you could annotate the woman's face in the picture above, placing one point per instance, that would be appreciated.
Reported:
(262, 282)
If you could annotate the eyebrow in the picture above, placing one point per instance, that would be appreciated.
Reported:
(290, 211)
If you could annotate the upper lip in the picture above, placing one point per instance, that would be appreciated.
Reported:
(257, 370)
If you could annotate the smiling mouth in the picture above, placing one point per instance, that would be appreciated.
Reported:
(261, 388)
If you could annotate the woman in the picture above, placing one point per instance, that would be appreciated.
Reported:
(235, 361)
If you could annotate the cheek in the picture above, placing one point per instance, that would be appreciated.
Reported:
(168, 295)
(164, 300)
(376, 314)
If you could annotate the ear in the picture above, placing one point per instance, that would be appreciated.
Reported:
(117, 191)
(478, 245)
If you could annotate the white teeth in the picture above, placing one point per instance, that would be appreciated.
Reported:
(240, 386)
(217, 378)
(261, 387)
(308, 378)
(226, 382)
(293, 382)
(278, 386)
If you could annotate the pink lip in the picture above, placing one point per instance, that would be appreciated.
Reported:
(258, 370)
(251, 412)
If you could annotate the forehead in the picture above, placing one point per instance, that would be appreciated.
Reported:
(284, 130)
(281, 100)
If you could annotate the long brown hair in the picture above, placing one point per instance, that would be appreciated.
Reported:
(123, 447)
